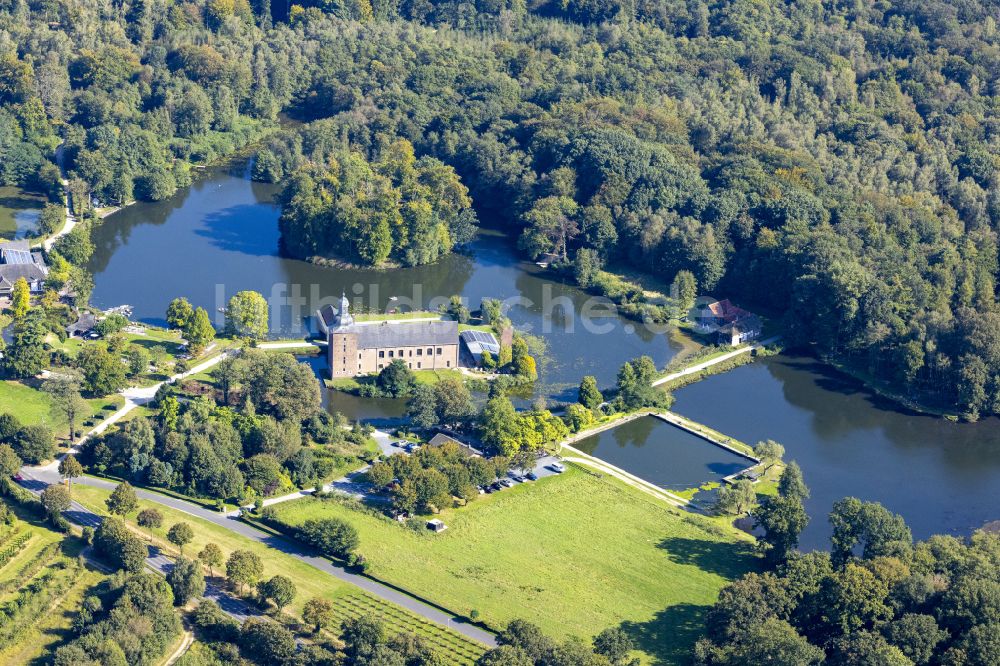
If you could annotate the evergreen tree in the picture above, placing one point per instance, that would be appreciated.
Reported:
(791, 483)
(199, 331)
(589, 396)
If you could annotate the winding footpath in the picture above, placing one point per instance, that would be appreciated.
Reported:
(36, 478)
(70, 222)
(698, 367)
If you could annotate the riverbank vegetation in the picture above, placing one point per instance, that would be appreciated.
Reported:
(773, 192)
(577, 545)
(875, 598)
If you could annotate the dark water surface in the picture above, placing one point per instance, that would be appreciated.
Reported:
(19, 213)
(663, 454)
(944, 478)
(220, 236)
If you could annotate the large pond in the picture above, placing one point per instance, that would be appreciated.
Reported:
(663, 454)
(19, 212)
(220, 236)
(942, 477)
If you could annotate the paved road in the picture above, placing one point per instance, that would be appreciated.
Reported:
(70, 218)
(37, 478)
(232, 606)
(155, 560)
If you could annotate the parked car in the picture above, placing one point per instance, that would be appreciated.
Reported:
(558, 468)
(517, 477)
(531, 476)
(506, 483)
(399, 444)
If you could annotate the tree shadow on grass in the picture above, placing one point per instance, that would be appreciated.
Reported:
(670, 636)
(726, 559)
(149, 343)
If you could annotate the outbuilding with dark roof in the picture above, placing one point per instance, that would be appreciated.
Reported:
(18, 261)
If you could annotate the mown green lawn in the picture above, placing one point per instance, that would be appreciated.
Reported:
(575, 554)
(33, 407)
(30, 405)
(429, 377)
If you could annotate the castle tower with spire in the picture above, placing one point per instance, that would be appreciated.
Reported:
(344, 318)
(366, 347)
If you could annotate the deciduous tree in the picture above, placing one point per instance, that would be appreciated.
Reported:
(55, 499)
(318, 612)
(151, 519)
(70, 468)
(769, 452)
(782, 519)
(199, 331)
(280, 590)
(737, 498)
(244, 567)
(211, 556)
(20, 299)
(247, 316)
(179, 313)
(180, 534)
(10, 462)
(122, 500)
(186, 580)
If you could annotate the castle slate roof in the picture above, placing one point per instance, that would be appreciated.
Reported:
(405, 334)
(329, 314)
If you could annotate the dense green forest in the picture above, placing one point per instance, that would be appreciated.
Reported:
(875, 598)
(833, 161)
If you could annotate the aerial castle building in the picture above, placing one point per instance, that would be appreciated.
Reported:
(360, 348)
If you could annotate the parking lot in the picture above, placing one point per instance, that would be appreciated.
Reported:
(542, 468)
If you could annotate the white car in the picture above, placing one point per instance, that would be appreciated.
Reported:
(558, 468)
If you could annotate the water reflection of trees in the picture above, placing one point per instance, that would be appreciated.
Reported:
(634, 433)
(840, 407)
(115, 230)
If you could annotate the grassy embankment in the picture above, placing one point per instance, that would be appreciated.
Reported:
(32, 406)
(429, 377)
(348, 600)
(575, 554)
